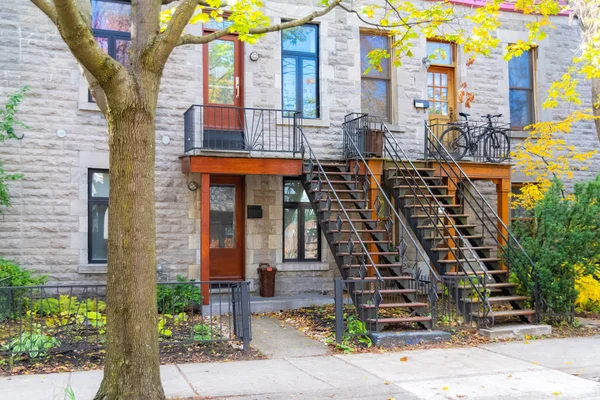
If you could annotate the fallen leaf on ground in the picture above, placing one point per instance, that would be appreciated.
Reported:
(404, 359)
(460, 396)
(557, 393)
(386, 383)
(445, 388)
(526, 342)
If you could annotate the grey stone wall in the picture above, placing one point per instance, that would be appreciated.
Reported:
(46, 228)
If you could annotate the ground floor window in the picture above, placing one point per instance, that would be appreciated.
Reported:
(301, 232)
(518, 213)
(98, 189)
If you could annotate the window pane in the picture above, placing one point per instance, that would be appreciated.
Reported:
(293, 192)
(289, 83)
(212, 24)
(311, 234)
(519, 71)
(290, 234)
(374, 97)
(221, 72)
(309, 88)
(122, 51)
(98, 232)
(301, 39)
(520, 108)
(100, 183)
(111, 16)
(372, 42)
(103, 42)
(440, 53)
(222, 216)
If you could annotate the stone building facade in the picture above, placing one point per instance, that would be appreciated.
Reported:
(46, 228)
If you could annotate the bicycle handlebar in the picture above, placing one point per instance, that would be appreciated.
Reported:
(490, 116)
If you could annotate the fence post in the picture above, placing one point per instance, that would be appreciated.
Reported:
(245, 297)
(339, 310)
(426, 141)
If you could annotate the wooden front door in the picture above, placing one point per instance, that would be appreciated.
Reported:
(226, 228)
(223, 118)
(441, 94)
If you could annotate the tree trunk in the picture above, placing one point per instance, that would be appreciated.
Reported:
(596, 103)
(132, 366)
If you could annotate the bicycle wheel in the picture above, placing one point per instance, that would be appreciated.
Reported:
(496, 146)
(455, 140)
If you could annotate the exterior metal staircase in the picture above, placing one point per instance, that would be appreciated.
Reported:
(385, 271)
(469, 245)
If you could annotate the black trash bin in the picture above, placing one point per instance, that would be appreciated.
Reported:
(266, 275)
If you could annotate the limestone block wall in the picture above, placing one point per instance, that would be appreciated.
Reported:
(264, 243)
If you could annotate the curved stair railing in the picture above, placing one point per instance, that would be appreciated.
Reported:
(422, 192)
(390, 219)
(494, 226)
(310, 160)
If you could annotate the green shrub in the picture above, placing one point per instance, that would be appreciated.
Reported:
(563, 241)
(18, 276)
(202, 332)
(32, 344)
(176, 298)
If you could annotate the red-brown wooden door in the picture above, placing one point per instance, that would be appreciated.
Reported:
(226, 227)
(223, 84)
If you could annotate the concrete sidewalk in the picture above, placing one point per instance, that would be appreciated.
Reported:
(540, 369)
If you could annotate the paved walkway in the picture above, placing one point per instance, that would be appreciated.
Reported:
(538, 369)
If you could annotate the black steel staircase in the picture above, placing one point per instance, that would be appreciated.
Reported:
(387, 274)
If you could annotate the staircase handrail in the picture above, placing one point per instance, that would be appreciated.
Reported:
(388, 138)
(347, 136)
(463, 177)
(353, 228)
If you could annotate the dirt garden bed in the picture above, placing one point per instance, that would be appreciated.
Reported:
(319, 324)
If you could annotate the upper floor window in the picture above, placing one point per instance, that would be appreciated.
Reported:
(300, 69)
(375, 85)
(521, 96)
(440, 53)
(111, 25)
(98, 189)
(301, 232)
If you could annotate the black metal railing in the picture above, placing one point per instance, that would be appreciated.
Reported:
(48, 319)
(241, 129)
(494, 228)
(470, 140)
(443, 227)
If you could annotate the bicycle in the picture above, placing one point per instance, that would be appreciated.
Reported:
(462, 137)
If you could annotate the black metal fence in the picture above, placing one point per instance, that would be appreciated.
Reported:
(242, 129)
(40, 320)
(471, 140)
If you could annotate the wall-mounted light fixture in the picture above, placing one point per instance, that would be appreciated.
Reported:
(193, 186)
(426, 62)
(254, 56)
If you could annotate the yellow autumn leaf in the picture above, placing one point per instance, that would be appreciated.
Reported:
(445, 388)
(556, 393)
(404, 359)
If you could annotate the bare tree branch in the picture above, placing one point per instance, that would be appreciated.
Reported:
(193, 39)
(169, 38)
(47, 8)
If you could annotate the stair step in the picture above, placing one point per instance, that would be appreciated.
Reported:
(387, 291)
(430, 205)
(385, 278)
(385, 242)
(419, 169)
(437, 196)
(420, 187)
(413, 177)
(483, 259)
(339, 173)
(348, 210)
(345, 221)
(376, 265)
(396, 305)
(334, 182)
(358, 231)
(507, 313)
(333, 201)
(372, 253)
(470, 273)
(334, 164)
(496, 299)
(398, 320)
(453, 237)
(497, 285)
(445, 226)
(439, 216)
(446, 249)
(328, 190)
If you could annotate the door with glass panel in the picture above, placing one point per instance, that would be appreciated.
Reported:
(226, 228)
(441, 91)
(223, 120)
